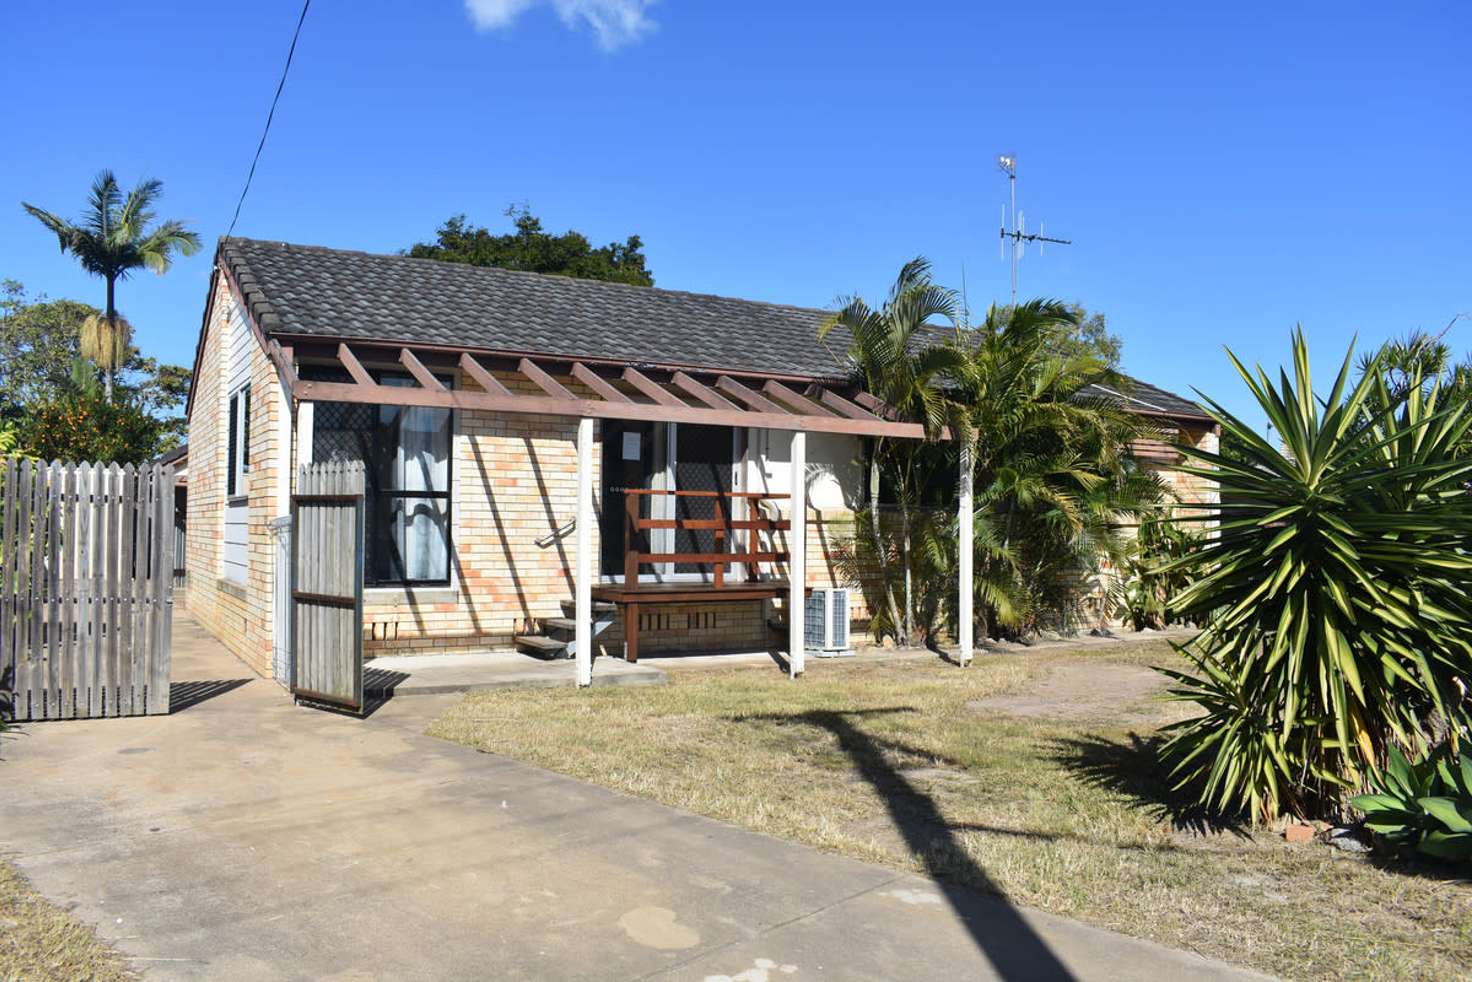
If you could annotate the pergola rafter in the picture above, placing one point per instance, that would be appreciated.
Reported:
(679, 395)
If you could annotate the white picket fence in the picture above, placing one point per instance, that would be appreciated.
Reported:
(86, 589)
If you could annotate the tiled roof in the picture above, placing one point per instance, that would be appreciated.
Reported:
(308, 290)
(1144, 397)
(333, 293)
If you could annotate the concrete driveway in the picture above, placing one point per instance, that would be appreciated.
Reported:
(244, 838)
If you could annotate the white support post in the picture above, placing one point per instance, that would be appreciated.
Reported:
(797, 551)
(583, 630)
(967, 548)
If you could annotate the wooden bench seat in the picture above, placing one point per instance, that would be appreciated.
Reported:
(631, 599)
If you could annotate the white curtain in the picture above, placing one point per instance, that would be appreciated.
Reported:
(423, 464)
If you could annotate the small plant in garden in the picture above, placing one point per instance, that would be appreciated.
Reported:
(1149, 582)
(1425, 807)
(1333, 591)
(9, 440)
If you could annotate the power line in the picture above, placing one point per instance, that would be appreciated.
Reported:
(270, 115)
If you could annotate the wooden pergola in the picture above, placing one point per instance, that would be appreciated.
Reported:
(589, 390)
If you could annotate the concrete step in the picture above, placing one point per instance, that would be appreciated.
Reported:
(561, 628)
(543, 647)
(569, 608)
(565, 628)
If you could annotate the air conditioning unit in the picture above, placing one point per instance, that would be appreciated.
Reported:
(825, 623)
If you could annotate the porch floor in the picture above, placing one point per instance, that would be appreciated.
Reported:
(409, 675)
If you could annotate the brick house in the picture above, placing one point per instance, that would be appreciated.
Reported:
(471, 394)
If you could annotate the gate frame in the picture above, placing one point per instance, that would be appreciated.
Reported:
(354, 603)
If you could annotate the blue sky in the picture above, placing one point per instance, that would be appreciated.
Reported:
(1224, 174)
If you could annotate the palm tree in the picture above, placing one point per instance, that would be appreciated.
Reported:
(898, 360)
(112, 239)
(1055, 481)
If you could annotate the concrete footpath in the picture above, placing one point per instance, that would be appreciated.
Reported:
(244, 838)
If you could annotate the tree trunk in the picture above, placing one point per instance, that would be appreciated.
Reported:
(879, 544)
(111, 316)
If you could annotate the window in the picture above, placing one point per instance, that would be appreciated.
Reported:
(238, 443)
(406, 455)
(237, 464)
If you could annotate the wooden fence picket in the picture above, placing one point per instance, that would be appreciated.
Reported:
(86, 589)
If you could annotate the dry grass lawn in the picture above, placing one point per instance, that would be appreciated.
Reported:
(39, 942)
(921, 766)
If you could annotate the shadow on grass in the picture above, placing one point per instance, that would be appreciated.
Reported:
(1136, 768)
(997, 928)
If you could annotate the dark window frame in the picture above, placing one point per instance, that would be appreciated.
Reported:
(232, 444)
(237, 444)
(374, 495)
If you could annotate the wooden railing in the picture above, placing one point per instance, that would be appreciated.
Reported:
(720, 524)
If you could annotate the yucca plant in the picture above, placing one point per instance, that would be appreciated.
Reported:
(1332, 590)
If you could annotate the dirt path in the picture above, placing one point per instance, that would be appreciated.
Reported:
(1089, 689)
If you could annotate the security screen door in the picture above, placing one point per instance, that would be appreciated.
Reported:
(664, 456)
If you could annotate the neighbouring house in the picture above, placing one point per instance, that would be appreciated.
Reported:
(468, 394)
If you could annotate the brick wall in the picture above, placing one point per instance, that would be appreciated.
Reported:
(238, 614)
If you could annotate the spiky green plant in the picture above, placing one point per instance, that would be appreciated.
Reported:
(1333, 590)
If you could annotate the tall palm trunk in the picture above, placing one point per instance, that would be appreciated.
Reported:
(112, 326)
(879, 545)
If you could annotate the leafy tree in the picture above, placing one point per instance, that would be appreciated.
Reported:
(114, 237)
(894, 365)
(531, 249)
(38, 343)
(1333, 590)
(40, 360)
(1087, 335)
(76, 426)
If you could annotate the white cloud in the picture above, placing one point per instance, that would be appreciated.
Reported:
(613, 22)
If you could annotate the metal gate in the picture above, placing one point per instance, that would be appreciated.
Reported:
(327, 586)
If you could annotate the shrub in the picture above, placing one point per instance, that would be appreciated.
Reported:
(85, 425)
(1333, 591)
(1424, 807)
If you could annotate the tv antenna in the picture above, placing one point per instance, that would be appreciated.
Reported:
(1018, 235)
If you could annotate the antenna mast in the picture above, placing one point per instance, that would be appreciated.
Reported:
(1017, 235)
